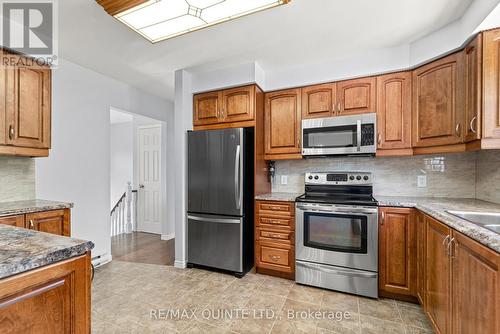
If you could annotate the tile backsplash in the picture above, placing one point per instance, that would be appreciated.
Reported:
(17, 179)
(450, 175)
(488, 176)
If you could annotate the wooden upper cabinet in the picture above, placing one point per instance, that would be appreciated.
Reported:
(54, 222)
(491, 80)
(283, 124)
(207, 108)
(356, 96)
(397, 251)
(29, 107)
(394, 111)
(17, 221)
(476, 287)
(473, 88)
(438, 276)
(319, 101)
(437, 107)
(238, 104)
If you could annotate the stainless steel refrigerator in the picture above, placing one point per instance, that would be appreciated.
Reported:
(220, 199)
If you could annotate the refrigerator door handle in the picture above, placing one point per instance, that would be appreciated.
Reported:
(237, 190)
(223, 220)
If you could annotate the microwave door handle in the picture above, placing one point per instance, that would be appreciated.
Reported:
(359, 134)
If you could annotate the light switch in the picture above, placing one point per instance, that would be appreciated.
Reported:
(284, 179)
(422, 181)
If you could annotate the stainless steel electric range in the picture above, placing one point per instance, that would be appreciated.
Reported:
(337, 233)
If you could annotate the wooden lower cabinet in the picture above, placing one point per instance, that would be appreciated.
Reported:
(476, 287)
(420, 248)
(52, 299)
(438, 276)
(54, 222)
(397, 258)
(275, 238)
(17, 221)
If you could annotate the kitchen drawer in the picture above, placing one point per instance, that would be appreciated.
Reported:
(286, 237)
(274, 257)
(275, 222)
(276, 208)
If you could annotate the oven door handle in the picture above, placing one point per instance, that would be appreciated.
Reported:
(343, 272)
(333, 209)
(359, 134)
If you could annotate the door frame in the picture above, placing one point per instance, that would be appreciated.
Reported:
(136, 178)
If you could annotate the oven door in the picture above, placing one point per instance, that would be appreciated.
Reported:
(345, 236)
(339, 135)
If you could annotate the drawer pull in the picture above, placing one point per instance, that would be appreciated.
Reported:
(275, 236)
(275, 258)
(32, 225)
(275, 208)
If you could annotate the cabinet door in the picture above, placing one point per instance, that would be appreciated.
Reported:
(28, 107)
(473, 77)
(357, 96)
(396, 251)
(437, 107)
(17, 221)
(394, 110)
(3, 114)
(476, 287)
(421, 242)
(491, 80)
(438, 276)
(238, 104)
(207, 108)
(318, 101)
(283, 122)
(51, 299)
(54, 222)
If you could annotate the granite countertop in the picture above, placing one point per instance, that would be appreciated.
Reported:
(30, 206)
(22, 249)
(437, 207)
(277, 196)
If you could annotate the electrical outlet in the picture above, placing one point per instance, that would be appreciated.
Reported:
(284, 179)
(422, 181)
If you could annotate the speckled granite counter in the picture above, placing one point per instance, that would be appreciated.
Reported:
(22, 249)
(37, 205)
(284, 197)
(437, 207)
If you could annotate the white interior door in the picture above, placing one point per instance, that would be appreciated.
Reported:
(149, 191)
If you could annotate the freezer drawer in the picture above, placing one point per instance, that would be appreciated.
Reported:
(215, 241)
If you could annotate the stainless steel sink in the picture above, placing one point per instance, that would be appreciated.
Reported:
(488, 220)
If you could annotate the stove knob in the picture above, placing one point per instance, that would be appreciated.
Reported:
(358, 177)
(316, 177)
(351, 177)
(366, 178)
(310, 177)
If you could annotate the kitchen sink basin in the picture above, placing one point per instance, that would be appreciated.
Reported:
(488, 220)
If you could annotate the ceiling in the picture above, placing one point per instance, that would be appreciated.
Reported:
(302, 32)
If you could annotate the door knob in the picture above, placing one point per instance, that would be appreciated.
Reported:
(141, 186)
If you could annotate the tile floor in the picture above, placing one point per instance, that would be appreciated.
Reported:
(137, 298)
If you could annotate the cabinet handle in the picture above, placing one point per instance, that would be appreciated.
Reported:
(383, 218)
(457, 129)
(275, 258)
(11, 132)
(452, 251)
(32, 224)
(379, 139)
(471, 125)
(339, 106)
(274, 236)
(446, 243)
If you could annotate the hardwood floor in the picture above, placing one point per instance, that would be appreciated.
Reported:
(142, 248)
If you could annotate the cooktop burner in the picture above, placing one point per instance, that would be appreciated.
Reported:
(343, 188)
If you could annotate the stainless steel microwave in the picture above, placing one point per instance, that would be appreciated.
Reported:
(340, 135)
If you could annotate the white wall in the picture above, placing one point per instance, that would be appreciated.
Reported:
(121, 159)
(78, 168)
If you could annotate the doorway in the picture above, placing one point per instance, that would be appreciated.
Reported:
(138, 190)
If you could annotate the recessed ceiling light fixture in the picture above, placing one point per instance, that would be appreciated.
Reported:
(157, 20)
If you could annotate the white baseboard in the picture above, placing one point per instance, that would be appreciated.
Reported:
(101, 260)
(180, 264)
(167, 236)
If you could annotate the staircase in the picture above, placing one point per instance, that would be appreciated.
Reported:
(124, 213)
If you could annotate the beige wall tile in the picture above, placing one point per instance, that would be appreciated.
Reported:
(488, 176)
(17, 179)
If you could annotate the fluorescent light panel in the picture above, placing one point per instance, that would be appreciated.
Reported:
(158, 20)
